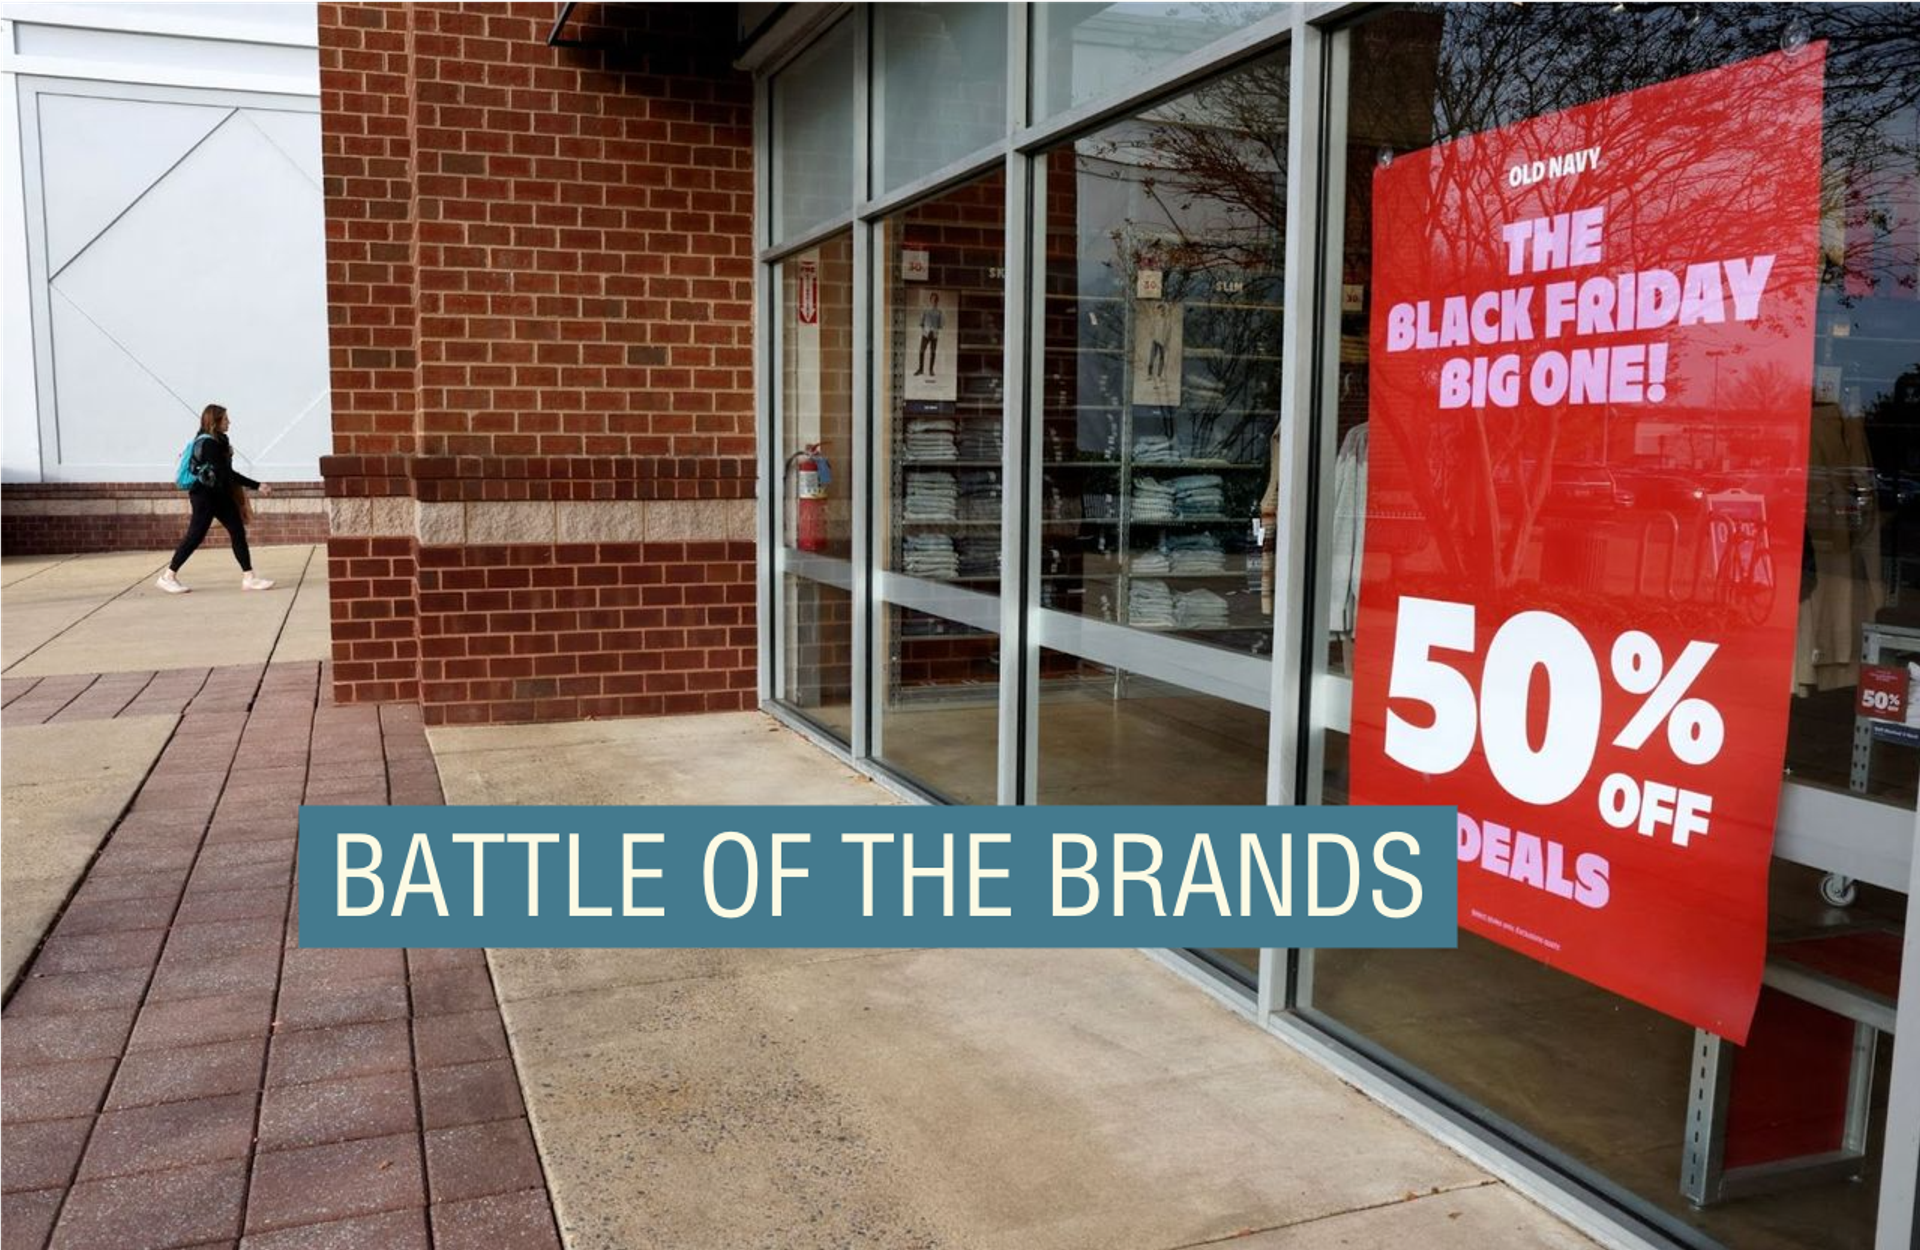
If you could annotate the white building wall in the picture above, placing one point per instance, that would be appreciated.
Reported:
(164, 242)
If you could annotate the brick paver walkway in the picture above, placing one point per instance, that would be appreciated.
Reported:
(177, 1072)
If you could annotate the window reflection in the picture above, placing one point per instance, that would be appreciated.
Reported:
(815, 613)
(938, 492)
(1601, 1084)
(1159, 423)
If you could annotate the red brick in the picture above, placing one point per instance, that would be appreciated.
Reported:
(189, 1072)
(181, 1207)
(332, 1111)
(329, 1182)
(404, 1229)
(514, 1221)
(169, 1135)
(478, 1160)
(559, 385)
(42, 1154)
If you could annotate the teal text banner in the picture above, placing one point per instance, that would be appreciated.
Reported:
(877, 876)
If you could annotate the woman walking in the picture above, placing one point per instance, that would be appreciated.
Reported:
(218, 494)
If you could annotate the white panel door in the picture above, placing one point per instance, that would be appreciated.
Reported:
(179, 261)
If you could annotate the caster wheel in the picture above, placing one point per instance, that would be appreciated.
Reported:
(1838, 891)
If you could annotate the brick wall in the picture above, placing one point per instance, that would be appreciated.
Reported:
(371, 582)
(366, 138)
(586, 629)
(540, 277)
(68, 518)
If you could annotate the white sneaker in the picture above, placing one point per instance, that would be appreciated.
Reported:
(171, 584)
(250, 582)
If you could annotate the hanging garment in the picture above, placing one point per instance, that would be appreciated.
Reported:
(1349, 531)
(1269, 519)
(1843, 524)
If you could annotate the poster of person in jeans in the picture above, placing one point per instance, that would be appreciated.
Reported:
(1157, 352)
(932, 329)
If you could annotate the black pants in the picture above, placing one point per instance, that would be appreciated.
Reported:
(210, 505)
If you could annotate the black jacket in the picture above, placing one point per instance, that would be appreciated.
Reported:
(218, 452)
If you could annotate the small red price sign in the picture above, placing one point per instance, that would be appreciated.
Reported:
(1882, 694)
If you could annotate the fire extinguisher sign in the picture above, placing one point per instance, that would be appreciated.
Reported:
(1590, 331)
(808, 303)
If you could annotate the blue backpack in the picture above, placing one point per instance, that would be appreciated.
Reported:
(192, 470)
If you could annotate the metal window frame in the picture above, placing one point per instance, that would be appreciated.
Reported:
(1022, 632)
(1898, 1227)
(1305, 701)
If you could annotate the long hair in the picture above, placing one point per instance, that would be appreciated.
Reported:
(210, 418)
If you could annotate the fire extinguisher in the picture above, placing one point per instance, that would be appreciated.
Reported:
(815, 475)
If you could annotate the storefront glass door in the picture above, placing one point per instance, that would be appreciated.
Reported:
(1157, 419)
(940, 427)
(1775, 1143)
(814, 658)
(1099, 547)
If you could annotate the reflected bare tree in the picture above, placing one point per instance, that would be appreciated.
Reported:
(1445, 74)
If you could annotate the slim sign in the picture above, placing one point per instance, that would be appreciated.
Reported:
(1591, 372)
(808, 305)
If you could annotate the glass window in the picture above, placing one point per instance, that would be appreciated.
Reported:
(940, 86)
(813, 135)
(1616, 1093)
(815, 615)
(1108, 735)
(1086, 52)
(938, 491)
(1160, 416)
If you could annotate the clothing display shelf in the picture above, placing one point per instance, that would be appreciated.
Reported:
(938, 525)
(1096, 424)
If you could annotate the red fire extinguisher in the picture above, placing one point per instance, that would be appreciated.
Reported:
(815, 475)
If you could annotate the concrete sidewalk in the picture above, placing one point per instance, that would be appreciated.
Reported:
(103, 614)
(87, 639)
(1025, 1100)
(179, 1073)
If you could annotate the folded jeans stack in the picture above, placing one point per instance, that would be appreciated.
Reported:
(979, 557)
(980, 440)
(1151, 562)
(1150, 605)
(1198, 494)
(1153, 499)
(1203, 441)
(931, 438)
(979, 495)
(1200, 609)
(930, 496)
(931, 556)
(1154, 449)
(1203, 388)
(1195, 553)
